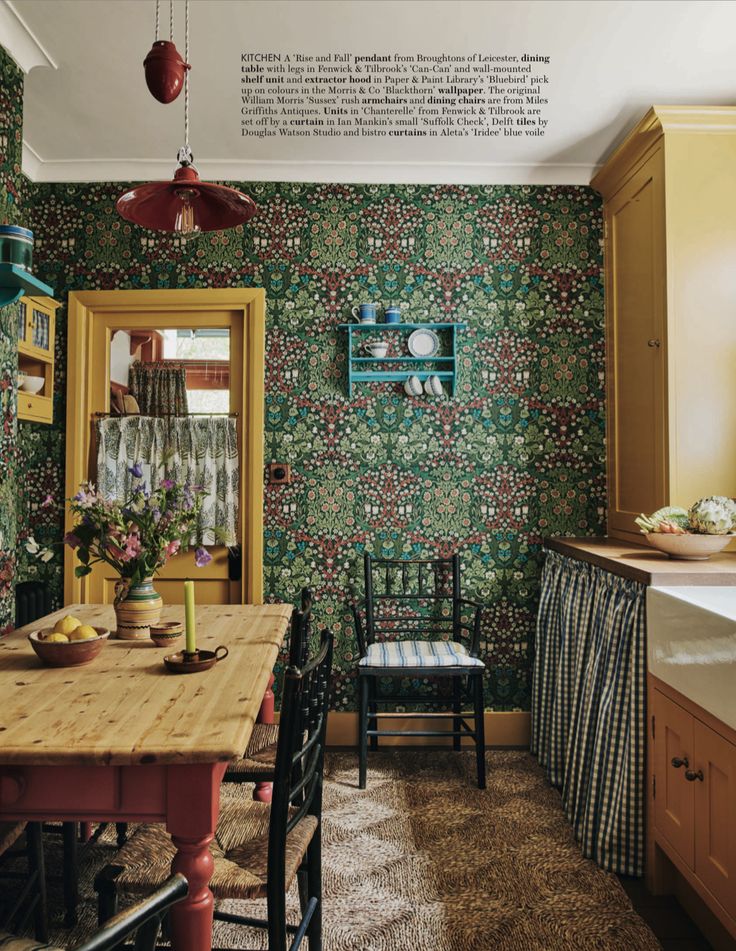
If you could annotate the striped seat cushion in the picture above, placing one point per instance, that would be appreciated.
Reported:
(419, 654)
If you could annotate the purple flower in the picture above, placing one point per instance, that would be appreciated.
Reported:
(136, 470)
(167, 484)
(71, 540)
(202, 557)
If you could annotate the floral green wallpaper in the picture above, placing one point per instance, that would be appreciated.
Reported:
(11, 185)
(517, 454)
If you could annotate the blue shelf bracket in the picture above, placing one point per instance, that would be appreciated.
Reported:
(16, 281)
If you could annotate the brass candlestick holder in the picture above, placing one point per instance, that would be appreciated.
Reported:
(191, 662)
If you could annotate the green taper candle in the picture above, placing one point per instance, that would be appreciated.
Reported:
(190, 617)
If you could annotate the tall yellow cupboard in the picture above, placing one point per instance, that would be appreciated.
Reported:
(670, 258)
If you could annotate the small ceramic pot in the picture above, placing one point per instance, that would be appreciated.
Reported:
(365, 313)
(392, 314)
(16, 246)
(166, 633)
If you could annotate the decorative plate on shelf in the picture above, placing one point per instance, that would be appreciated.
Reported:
(423, 343)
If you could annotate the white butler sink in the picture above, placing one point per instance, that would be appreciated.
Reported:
(691, 645)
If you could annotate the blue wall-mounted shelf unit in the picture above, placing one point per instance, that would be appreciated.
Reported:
(365, 369)
(16, 281)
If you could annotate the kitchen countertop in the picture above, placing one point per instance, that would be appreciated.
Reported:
(645, 565)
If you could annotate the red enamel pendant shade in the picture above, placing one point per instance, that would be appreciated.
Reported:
(165, 69)
(185, 204)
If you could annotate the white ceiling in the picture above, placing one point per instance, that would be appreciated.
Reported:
(92, 118)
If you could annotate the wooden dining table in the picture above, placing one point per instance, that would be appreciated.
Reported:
(123, 740)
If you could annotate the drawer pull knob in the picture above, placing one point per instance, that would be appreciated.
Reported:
(677, 762)
(653, 342)
(690, 776)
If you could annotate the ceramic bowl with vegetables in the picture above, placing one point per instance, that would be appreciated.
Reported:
(692, 534)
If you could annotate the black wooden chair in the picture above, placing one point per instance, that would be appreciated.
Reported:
(143, 920)
(258, 851)
(414, 624)
(23, 840)
(258, 765)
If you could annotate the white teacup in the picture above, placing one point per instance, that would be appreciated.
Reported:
(377, 349)
(433, 386)
(413, 386)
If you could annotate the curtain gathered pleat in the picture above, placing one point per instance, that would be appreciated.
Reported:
(588, 706)
(201, 451)
(159, 388)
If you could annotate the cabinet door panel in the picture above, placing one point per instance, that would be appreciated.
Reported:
(636, 348)
(715, 815)
(674, 797)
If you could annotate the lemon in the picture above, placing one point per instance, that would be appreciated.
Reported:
(57, 638)
(82, 633)
(67, 624)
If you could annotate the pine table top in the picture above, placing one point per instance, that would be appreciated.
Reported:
(124, 708)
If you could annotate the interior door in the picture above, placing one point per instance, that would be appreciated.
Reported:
(636, 349)
(94, 319)
(673, 754)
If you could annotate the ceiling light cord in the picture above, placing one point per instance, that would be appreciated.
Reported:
(158, 19)
(186, 74)
(171, 20)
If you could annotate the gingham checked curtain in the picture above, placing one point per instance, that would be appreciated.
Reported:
(588, 706)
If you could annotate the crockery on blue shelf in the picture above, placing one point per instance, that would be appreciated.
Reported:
(413, 386)
(392, 314)
(365, 313)
(433, 386)
(423, 343)
(377, 349)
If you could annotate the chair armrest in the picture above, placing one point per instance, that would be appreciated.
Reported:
(473, 604)
(144, 917)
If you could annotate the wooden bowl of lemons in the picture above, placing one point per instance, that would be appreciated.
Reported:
(69, 643)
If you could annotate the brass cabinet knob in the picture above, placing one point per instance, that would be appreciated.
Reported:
(653, 342)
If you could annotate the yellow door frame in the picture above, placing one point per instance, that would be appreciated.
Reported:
(85, 310)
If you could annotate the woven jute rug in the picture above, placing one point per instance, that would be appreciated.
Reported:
(424, 861)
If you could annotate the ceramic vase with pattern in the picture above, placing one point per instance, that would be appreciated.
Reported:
(137, 611)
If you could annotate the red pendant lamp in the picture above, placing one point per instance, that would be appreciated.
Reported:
(185, 205)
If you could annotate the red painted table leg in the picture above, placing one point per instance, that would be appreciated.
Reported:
(192, 820)
(263, 791)
(85, 831)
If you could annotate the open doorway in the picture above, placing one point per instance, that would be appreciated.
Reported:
(169, 366)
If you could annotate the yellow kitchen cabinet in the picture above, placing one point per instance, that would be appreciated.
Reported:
(36, 326)
(670, 239)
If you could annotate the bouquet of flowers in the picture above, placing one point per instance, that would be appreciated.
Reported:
(135, 536)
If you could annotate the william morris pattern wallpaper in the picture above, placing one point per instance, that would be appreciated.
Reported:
(519, 453)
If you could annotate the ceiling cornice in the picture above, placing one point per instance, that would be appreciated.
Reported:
(20, 41)
(393, 173)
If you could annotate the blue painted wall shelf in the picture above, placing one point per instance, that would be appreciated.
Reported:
(16, 281)
(444, 365)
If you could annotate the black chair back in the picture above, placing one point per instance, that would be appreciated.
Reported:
(297, 788)
(417, 598)
(301, 620)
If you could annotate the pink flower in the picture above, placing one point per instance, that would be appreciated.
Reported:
(118, 553)
(133, 545)
(49, 500)
(172, 548)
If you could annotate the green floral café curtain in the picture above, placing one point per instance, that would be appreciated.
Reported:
(199, 450)
(159, 388)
